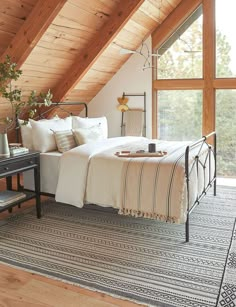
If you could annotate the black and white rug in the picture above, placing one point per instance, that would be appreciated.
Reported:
(138, 259)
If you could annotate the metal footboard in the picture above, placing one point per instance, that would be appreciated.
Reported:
(197, 163)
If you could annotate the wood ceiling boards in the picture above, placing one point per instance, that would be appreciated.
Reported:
(79, 51)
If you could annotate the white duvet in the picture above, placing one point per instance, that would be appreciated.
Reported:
(153, 187)
(74, 167)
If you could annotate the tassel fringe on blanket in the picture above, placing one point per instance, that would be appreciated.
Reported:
(149, 215)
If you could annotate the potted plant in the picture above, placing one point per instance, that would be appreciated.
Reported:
(10, 93)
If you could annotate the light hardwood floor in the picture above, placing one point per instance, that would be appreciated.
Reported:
(19, 288)
(23, 289)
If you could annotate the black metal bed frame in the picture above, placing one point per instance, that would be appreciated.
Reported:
(188, 170)
(60, 104)
(197, 163)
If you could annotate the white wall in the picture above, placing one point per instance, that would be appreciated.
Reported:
(129, 79)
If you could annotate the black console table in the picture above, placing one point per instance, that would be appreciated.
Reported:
(15, 165)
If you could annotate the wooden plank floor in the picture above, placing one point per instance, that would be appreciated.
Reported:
(23, 289)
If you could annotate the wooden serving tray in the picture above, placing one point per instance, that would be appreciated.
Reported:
(130, 154)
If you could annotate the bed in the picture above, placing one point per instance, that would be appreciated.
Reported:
(165, 187)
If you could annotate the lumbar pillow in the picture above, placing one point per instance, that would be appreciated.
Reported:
(65, 140)
(88, 135)
(43, 132)
(80, 122)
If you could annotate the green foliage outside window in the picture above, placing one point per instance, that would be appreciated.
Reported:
(226, 132)
(180, 115)
(179, 112)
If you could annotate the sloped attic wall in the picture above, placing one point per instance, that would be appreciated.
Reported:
(129, 79)
(61, 42)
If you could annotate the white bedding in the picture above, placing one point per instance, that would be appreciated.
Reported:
(74, 165)
(49, 169)
(136, 186)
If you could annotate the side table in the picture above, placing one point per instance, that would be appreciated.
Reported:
(18, 164)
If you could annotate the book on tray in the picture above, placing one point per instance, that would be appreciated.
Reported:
(8, 197)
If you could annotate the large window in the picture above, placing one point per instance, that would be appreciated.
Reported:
(181, 54)
(180, 115)
(225, 39)
(226, 132)
(180, 111)
(196, 78)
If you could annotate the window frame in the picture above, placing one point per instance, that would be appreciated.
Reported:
(209, 83)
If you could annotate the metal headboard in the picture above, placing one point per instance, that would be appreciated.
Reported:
(59, 105)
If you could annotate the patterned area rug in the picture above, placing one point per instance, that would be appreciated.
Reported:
(143, 260)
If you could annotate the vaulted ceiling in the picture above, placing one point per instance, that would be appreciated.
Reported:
(73, 46)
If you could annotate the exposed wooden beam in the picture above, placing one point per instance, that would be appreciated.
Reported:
(208, 66)
(32, 30)
(86, 59)
(173, 21)
(154, 99)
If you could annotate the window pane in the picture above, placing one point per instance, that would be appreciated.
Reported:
(181, 56)
(225, 39)
(226, 132)
(179, 115)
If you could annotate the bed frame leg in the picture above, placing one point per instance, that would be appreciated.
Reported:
(187, 229)
(215, 187)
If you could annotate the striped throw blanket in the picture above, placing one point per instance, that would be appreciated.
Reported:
(155, 187)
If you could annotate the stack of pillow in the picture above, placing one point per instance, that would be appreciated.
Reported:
(62, 134)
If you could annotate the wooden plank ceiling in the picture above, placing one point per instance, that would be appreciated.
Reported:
(72, 46)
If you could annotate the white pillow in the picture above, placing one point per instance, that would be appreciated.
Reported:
(26, 134)
(88, 135)
(80, 122)
(43, 132)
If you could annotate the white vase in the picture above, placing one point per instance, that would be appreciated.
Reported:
(4, 148)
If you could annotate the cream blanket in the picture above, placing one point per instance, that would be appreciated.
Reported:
(153, 187)
(74, 166)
